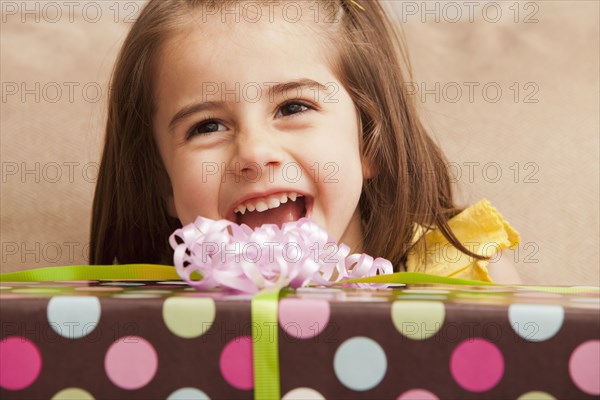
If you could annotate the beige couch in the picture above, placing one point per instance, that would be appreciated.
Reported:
(532, 151)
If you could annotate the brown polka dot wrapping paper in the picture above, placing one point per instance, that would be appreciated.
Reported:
(164, 340)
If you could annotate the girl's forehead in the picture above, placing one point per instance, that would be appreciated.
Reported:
(244, 23)
(260, 11)
(218, 47)
(220, 57)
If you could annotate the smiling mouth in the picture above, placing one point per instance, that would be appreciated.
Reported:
(291, 210)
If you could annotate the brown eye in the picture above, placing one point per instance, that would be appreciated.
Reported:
(294, 108)
(205, 128)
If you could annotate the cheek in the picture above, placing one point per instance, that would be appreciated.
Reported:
(340, 179)
(195, 192)
(341, 161)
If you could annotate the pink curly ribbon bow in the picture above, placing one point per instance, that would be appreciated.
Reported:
(237, 257)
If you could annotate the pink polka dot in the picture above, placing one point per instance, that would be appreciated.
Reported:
(236, 363)
(131, 362)
(20, 363)
(477, 365)
(417, 394)
(303, 318)
(584, 367)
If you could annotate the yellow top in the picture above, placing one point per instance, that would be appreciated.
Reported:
(480, 228)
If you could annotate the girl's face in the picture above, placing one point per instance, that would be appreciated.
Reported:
(246, 114)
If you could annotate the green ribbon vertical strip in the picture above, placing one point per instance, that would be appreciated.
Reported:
(140, 272)
(265, 344)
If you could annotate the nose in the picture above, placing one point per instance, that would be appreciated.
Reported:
(255, 151)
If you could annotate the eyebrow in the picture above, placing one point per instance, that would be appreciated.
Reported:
(274, 90)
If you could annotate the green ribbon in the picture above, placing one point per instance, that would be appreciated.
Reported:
(412, 278)
(265, 346)
(138, 272)
(155, 272)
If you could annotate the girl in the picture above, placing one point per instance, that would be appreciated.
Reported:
(266, 112)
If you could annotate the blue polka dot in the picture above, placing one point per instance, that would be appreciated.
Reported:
(536, 322)
(73, 317)
(188, 393)
(360, 363)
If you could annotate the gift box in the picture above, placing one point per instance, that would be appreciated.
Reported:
(165, 340)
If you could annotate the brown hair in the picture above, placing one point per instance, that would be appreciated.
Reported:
(130, 222)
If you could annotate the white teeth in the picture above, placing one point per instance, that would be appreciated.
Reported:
(263, 205)
(273, 203)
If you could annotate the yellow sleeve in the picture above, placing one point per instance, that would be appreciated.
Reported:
(480, 228)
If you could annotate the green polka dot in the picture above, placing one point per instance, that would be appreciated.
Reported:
(536, 396)
(189, 317)
(73, 393)
(418, 320)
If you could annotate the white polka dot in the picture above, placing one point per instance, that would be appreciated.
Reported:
(188, 393)
(303, 393)
(360, 363)
(536, 322)
(73, 317)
